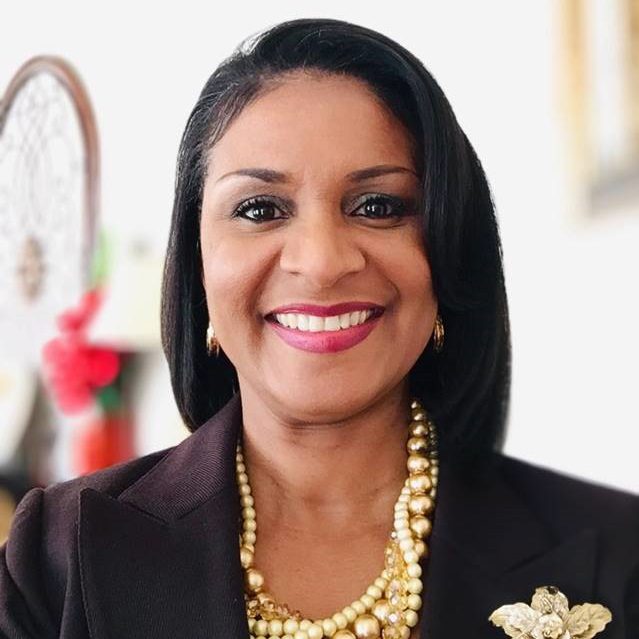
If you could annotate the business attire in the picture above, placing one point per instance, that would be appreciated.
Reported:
(149, 548)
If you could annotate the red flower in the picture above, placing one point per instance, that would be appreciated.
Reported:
(75, 369)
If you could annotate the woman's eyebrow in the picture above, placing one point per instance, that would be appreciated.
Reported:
(272, 176)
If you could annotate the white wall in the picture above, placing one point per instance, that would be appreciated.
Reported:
(571, 288)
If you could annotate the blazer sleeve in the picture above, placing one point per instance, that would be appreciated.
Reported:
(23, 608)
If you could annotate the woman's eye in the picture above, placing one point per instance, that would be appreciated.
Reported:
(257, 210)
(382, 207)
(374, 207)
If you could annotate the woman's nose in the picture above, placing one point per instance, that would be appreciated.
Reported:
(321, 247)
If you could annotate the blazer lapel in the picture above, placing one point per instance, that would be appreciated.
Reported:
(162, 559)
(489, 549)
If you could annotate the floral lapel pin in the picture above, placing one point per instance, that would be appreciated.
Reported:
(548, 617)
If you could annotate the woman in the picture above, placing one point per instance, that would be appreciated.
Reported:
(335, 321)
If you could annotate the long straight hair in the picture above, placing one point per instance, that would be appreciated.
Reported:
(466, 386)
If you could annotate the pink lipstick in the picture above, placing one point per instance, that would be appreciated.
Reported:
(326, 341)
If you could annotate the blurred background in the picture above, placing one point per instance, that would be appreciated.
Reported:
(96, 97)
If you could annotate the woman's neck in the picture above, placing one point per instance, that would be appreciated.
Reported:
(326, 475)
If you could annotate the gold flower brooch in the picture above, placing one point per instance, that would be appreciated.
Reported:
(548, 617)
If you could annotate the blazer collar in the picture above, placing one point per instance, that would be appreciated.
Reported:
(162, 558)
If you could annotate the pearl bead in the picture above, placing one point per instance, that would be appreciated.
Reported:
(254, 580)
(418, 414)
(344, 634)
(381, 609)
(250, 537)
(420, 505)
(261, 627)
(420, 526)
(315, 631)
(300, 634)
(418, 429)
(411, 557)
(374, 591)
(420, 548)
(414, 570)
(420, 482)
(414, 585)
(366, 627)
(340, 620)
(380, 582)
(416, 445)
(246, 557)
(368, 601)
(411, 618)
(349, 613)
(414, 601)
(406, 544)
(417, 464)
(305, 624)
(275, 627)
(330, 627)
(291, 626)
(358, 607)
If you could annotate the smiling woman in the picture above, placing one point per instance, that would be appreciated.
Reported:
(335, 320)
(333, 171)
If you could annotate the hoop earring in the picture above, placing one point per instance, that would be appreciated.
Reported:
(438, 334)
(212, 343)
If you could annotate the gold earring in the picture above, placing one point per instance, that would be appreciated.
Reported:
(212, 343)
(438, 334)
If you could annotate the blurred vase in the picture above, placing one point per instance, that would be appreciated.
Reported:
(102, 441)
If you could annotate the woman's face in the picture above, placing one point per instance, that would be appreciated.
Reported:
(311, 199)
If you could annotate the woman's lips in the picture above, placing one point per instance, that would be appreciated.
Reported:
(325, 341)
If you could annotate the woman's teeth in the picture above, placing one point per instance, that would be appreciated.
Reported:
(313, 323)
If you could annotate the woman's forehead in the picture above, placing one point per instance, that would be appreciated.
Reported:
(312, 120)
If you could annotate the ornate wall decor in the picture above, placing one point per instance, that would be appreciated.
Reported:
(48, 201)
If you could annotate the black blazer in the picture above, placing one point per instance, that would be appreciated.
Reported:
(149, 548)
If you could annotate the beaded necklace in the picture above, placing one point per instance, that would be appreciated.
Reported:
(389, 607)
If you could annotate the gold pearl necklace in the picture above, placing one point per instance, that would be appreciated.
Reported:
(389, 607)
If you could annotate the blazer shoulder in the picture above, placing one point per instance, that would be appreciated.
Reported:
(60, 501)
(112, 480)
(56, 507)
(38, 562)
(566, 501)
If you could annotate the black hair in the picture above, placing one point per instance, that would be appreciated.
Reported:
(465, 387)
